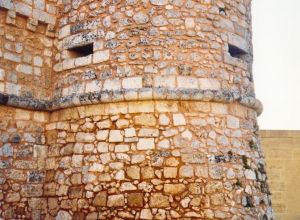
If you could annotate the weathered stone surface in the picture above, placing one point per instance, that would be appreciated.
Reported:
(115, 136)
(135, 110)
(31, 190)
(101, 56)
(174, 189)
(159, 2)
(85, 137)
(116, 201)
(140, 18)
(12, 197)
(170, 172)
(100, 199)
(63, 215)
(135, 199)
(145, 144)
(158, 200)
(146, 214)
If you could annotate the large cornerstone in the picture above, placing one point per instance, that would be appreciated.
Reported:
(129, 109)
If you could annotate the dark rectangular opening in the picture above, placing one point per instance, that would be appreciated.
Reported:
(236, 52)
(81, 51)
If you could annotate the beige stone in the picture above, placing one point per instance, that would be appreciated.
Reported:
(158, 200)
(115, 136)
(145, 144)
(116, 201)
(170, 172)
(174, 189)
(133, 172)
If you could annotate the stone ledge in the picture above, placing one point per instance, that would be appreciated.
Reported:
(226, 96)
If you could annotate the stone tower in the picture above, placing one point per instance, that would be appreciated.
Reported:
(129, 109)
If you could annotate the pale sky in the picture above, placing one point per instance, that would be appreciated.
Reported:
(276, 40)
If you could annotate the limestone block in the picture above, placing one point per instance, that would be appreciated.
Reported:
(135, 200)
(178, 119)
(146, 214)
(170, 172)
(12, 57)
(233, 122)
(83, 61)
(133, 172)
(100, 199)
(130, 132)
(164, 144)
(116, 201)
(238, 41)
(164, 81)
(159, 21)
(63, 215)
(38, 61)
(132, 83)
(112, 84)
(209, 84)
(189, 23)
(140, 18)
(101, 56)
(148, 132)
(102, 135)
(159, 2)
(43, 16)
(23, 9)
(138, 107)
(145, 120)
(64, 32)
(174, 189)
(158, 200)
(115, 136)
(102, 147)
(150, 69)
(8, 4)
(249, 174)
(93, 86)
(12, 197)
(186, 171)
(145, 144)
(187, 82)
(127, 186)
(121, 148)
(85, 137)
(23, 68)
(32, 190)
(226, 24)
(195, 188)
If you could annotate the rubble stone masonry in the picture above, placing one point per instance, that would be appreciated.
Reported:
(129, 109)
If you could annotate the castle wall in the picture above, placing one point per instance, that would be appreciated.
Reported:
(140, 46)
(150, 114)
(26, 48)
(282, 150)
(22, 162)
(152, 159)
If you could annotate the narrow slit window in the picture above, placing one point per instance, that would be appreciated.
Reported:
(236, 52)
(81, 51)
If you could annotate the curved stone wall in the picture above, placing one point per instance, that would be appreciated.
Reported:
(154, 44)
(151, 113)
(157, 160)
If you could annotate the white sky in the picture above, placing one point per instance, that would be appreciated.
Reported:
(276, 39)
